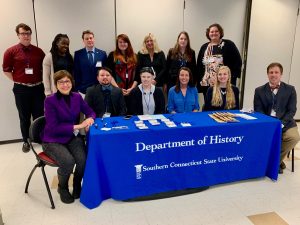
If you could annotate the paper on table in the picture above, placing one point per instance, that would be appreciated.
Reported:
(151, 117)
(245, 116)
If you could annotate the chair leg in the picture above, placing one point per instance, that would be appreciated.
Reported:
(29, 178)
(293, 162)
(47, 186)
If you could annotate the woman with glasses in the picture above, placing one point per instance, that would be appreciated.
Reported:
(182, 55)
(146, 98)
(59, 58)
(61, 138)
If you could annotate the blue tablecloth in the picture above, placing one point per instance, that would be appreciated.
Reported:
(128, 163)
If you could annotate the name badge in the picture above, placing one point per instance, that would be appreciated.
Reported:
(99, 64)
(29, 71)
(106, 115)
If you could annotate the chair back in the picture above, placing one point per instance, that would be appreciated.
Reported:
(36, 128)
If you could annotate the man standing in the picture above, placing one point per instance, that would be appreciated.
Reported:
(22, 63)
(279, 99)
(87, 61)
(105, 99)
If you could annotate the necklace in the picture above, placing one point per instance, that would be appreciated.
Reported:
(223, 92)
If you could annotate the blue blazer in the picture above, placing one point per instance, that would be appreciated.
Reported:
(85, 74)
(60, 118)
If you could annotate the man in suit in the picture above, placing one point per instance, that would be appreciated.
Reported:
(279, 100)
(104, 98)
(87, 61)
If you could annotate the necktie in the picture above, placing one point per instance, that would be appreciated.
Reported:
(90, 57)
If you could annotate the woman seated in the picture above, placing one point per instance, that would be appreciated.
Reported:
(223, 95)
(146, 98)
(183, 97)
(61, 138)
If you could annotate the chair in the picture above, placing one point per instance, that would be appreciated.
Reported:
(293, 158)
(35, 130)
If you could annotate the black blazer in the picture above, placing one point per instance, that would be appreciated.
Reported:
(285, 104)
(95, 99)
(136, 101)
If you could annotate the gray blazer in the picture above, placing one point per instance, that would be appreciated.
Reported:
(285, 102)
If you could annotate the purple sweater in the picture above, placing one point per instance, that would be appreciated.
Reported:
(60, 118)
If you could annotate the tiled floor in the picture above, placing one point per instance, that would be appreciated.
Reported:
(228, 204)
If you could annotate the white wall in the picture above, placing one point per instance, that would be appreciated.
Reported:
(295, 67)
(271, 39)
(199, 14)
(10, 16)
(137, 18)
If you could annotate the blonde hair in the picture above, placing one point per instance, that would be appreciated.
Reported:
(144, 49)
(217, 100)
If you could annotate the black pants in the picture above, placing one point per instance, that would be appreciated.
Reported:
(29, 102)
(67, 155)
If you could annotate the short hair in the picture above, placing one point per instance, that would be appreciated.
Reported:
(190, 84)
(146, 70)
(275, 64)
(106, 69)
(24, 26)
(86, 32)
(155, 45)
(61, 74)
(217, 26)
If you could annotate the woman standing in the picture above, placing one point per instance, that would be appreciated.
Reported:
(183, 97)
(223, 95)
(215, 53)
(180, 56)
(151, 56)
(122, 61)
(146, 98)
(59, 58)
(61, 138)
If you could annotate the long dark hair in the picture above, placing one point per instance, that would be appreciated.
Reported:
(190, 84)
(188, 50)
(54, 51)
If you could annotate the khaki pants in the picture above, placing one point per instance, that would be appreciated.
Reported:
(289, 140)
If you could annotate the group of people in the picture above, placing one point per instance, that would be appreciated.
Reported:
(123, 83)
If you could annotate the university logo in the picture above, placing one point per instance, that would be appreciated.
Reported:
(138, 170)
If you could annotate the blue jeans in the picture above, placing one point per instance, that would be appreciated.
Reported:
(67, 155)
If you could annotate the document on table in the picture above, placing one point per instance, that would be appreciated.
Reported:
(245, 116)
(151, 117)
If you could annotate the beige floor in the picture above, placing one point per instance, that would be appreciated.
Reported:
(259, 201)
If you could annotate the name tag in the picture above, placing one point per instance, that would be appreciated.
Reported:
(99, 64)
(106, 115)
(29, 71)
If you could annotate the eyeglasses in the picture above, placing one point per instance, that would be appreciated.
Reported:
(25, 34)
(62, 82)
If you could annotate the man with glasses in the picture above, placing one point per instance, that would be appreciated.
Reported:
(279, 100)
(22, 64)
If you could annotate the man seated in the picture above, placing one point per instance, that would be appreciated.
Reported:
(279, 99)
(105, 99)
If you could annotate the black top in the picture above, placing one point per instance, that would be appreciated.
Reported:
(173, 66)
(102, 101)
(136, 101)
(158, 64)
(209, 95)
(231, 58)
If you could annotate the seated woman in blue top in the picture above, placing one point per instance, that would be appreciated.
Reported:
(61, 138)
(223, 95)
(146, 99)
(183, 97)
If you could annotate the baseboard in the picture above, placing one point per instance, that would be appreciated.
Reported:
(10, 142)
